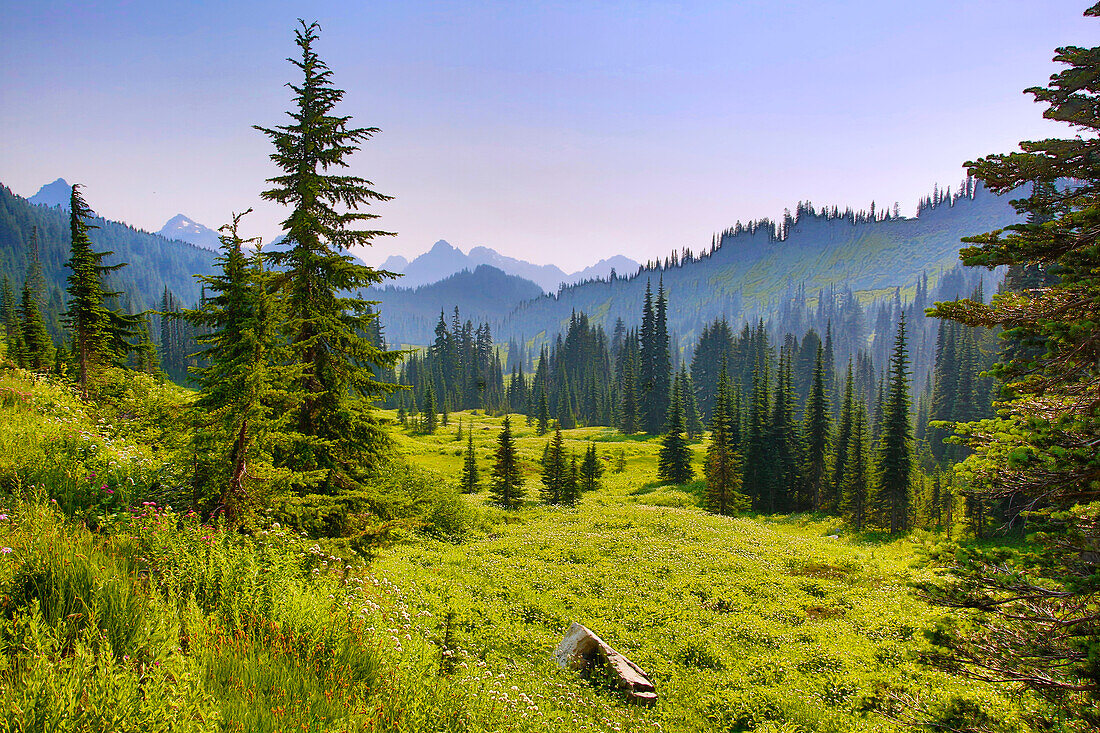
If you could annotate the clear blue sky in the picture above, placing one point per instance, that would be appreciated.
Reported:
(553, 131)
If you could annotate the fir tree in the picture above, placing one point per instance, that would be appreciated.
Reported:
(843, 440)
(1038, 625)
(818, 431)
(429, 410)
(628, 401)
(591, 469)
(544, 413)
(570, 491)
(784, 443)
(554, 470)
(693, 425)
(37, 347)
(13, 337)
(100, 335)
(242, 405)
(895, 451)
(674, 457)
(722, 468)
(506, 484)
(327, 328)
(469, 465)
(854, 487)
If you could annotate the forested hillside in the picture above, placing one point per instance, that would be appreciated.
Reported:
(753, 271)
(153, 261)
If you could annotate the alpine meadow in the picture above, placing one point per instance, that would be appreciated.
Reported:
(833, 471)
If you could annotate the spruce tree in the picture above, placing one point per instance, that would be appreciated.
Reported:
(544, 413)
(856, 475)
(784, 444)
(722, 467)
(429, 410)
(326, 325)
(591, 469)
(13, 336)
(817, 430)
(506, 484)
(674, 457)
(693, 425)
(843, 440)
(554, 470)
(570, 491)
(895, 451)
(628, 400)
(100, 335)
(469, 465)
(37, 346)
(242, 409)
(1039, 622)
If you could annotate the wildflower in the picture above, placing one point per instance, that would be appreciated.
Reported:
(3, 517)
(5, 550)
(103, 487)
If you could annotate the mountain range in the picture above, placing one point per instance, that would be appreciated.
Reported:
(444, 259)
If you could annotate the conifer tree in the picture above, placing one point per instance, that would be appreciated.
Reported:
(570, 491)
(818, 431)
(544, 412)
(429, 410)
(674, 457)
(722, 467)
(757, 450)
(693, 425)
(1037, 624)
(895, 450)
(327, 328)
(506, 484)
(469, 465)
(145, 351)
(628, 400)
(856, 475)
(843, 440)
(37, 347)
(784, 443)
(242, 407)
(591, 469)
(554, 470)
(12, 332)
(100, 335)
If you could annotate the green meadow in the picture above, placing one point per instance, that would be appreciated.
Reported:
(119, 613)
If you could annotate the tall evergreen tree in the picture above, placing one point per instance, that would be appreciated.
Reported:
(895, 451)
(784, 444)
(326, 327)
(818, 432)
(628, 399)
(722, 469)
(843, 440)
(242, 407)
(570, 491)
(591, 469)
(37, 347)
(430, 421)
(469, 465)
(13, 334)
(506, 484)
(1038, 623)
(693, 425)
(100, 335)
(856, 477)
(674, 457)
(554, 470)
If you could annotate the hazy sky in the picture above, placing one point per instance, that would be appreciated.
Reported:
(553, 131)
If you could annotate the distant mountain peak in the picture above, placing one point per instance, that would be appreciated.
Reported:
(188, 230)
(56, 193)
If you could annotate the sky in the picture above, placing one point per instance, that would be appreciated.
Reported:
(556, 132)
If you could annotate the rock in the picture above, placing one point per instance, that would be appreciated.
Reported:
(582, 651)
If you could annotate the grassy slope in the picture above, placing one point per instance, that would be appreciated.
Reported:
(156, 622)
(743, 623)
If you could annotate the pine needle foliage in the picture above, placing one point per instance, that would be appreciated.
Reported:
(894, 465)
(469, 464)
(1034, 615)
(100, 335)
(723, 465)
(506, 484)
(242, 408)
(326, 326)
(674, 458)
